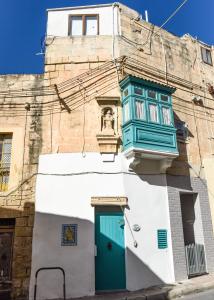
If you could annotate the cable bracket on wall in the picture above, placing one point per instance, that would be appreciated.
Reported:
(63, 105)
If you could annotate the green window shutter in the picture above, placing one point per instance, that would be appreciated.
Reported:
(162, 238)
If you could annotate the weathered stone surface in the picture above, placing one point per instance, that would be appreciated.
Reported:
(49, 128)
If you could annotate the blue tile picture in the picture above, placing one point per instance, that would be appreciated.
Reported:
(69, 235)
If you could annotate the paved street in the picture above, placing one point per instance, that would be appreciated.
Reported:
(208, 295)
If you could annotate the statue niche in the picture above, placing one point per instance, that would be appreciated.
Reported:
(107, 121)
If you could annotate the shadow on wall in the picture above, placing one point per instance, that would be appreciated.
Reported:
(76, 256)
(15, 250)
(180, 165)
(78, 261)
(140, 270)
(157, 180)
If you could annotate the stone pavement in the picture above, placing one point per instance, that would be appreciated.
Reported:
(164, 292)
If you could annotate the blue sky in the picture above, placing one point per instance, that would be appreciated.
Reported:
(23, 22)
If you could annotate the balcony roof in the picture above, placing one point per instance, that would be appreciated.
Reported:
(149, 83)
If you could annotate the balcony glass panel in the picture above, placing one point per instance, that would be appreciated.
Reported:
(153, 113)
(126, 115)
(138, 91)
(152, 94)
(164, 98)
(140, 110)
(126, 92)
(166, 116)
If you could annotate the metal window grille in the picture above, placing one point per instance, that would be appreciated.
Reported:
(195, 258)
(5, 157)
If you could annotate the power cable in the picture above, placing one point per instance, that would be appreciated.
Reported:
(164, 23)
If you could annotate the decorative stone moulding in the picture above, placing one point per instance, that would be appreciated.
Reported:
(108, 143)
(149, 162)
(108, 137)
(111, 201)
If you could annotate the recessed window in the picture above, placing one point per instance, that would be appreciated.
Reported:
(139, 110)
(5, 157)
(83, 25)
(206, 56)
(152, 94)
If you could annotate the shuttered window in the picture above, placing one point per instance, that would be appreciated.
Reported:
(5, 157)
(162, 238)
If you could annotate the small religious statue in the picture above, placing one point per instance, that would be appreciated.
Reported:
(108, 122)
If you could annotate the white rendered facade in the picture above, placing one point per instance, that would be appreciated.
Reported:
(66, 199)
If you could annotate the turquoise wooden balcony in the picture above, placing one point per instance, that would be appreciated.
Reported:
(148, 124)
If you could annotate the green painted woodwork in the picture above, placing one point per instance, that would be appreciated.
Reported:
(142, 132)
(162, 238)
(110, 259)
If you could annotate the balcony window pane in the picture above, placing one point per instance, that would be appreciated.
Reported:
(166, 116)
(164, 98)
(138, 91)
(76, 25)
(91, 25)
(126, 92)
(126, 112)
(140, 111)
(152, 94)
(153, 113)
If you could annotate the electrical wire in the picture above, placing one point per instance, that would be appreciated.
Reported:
(163, 24)
(171, 16)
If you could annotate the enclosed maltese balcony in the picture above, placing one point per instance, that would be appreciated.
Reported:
(149, 135)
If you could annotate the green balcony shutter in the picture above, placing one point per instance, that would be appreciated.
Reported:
(162, 238)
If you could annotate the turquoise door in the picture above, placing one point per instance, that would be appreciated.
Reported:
(110, 259)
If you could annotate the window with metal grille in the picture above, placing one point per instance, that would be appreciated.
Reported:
(5, 157)
(206, 56)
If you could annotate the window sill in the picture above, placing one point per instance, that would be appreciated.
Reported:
(206, 63)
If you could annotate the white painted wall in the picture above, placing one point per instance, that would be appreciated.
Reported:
(66, 199)
(198, 225)
(148, 201)
(58, 20)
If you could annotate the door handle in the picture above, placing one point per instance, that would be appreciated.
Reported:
(109, 246)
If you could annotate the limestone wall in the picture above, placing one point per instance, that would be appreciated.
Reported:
(64, 114)
(158, 55)
(18, 201)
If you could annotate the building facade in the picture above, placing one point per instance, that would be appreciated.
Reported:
(118, 137)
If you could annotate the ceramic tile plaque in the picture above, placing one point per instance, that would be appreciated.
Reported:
(69, 235)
